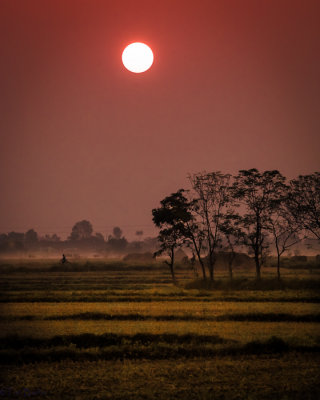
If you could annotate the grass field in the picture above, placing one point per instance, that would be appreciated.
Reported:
(128, 333)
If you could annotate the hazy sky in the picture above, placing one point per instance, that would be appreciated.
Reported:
(234, 85)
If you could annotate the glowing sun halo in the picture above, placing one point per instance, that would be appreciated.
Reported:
(137, 57)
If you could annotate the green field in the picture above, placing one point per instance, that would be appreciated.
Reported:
(128, 333)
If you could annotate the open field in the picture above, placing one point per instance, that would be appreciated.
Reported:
(291, 376)
(128, 333)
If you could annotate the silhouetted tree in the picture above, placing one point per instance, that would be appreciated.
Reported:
(81, 230)
(257, 207)
(195, 239)
(282, 224)
(117, 232)
(99, 237)
(170, 239)
(211, 198)
(50, 238)
(232, 233)
(15, 241)
(116, 242)
(256, 191)
(117, 245)
(31, 237)
(304, 202)
(172, 218)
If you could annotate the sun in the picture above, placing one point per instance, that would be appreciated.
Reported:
(137, 57)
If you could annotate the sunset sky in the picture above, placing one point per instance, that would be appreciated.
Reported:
(234, 85)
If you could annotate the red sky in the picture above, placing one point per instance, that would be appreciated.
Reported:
(234, 85)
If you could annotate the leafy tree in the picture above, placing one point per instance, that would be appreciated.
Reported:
(51, 238)
(178, 211)
(172, 218)
(81, 230)
(195, 240)
(117, 242)
(117, 232)
(304, 202)
(117, 245)
(31, 237)
(282, 225)
(16, 241)
(208, 219)
(232, 233)
(255, 192)
(170, 239)
(99, 237)
(211, 198)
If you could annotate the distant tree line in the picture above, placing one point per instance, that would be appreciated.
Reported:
(252, 210)
(82, 237)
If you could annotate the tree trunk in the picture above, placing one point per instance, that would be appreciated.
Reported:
(258, 267)
(257, 247)
(203, 269)
(231, 257)
(172, 273)
(211, 274)
(171, 266)
(278, 258)
(278, 267)
(200, 259)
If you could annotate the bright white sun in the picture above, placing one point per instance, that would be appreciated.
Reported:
(137, 57)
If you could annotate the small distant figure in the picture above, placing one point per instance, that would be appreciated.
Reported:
(63, 260)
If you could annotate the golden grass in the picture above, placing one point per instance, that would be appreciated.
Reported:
(193, 308)
(243, 332)
(292, 375)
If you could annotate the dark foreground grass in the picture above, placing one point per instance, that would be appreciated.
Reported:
(21, 350)
(98, 316)
(158, 366)
(88, 340)
(290, 376)
(80, 297)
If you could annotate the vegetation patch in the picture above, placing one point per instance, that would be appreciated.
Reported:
(249, 284)
(129, 334)
(18, 350)
(97, 316)
(91, 340)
